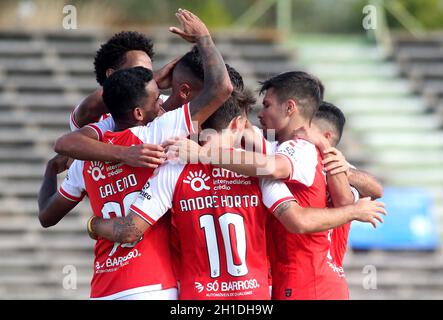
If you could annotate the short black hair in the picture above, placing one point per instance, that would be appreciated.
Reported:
(125, 90)
(333, 116)
(112, 54)
(239, 103)
(301, 86)
(193, 61)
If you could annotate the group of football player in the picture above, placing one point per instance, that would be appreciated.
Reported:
(230, 214)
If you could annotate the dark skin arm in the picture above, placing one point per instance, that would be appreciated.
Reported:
(52, 206)
(216, 90)
(90, 109)
(83, 145)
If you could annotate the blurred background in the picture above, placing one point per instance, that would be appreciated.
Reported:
(381, 63)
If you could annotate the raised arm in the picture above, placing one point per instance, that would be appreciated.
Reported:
(217, 86)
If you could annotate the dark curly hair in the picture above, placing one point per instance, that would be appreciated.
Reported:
(112, 53)
(125, 89)
(193, 61)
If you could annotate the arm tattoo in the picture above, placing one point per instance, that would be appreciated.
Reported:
(124, 228)
(282, 209)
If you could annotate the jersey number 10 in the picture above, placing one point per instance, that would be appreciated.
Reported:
(234, 238)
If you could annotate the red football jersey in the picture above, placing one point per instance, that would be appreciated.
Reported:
(302, 266)
(123, 269)
(220, 227)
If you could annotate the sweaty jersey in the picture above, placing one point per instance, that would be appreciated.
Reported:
(302, 266)
(219, 221)
(124, 269)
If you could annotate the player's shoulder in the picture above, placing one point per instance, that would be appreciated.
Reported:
(299, 147)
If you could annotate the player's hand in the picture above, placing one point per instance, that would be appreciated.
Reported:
(163, 77)
(312, 135)
(59, 163)
(369, 211)
(186, 150)
(144, 155)
(336, 162)
(192, 27)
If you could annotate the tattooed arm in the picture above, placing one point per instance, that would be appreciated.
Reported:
(217, 86)
(306, 220)
(123, 230)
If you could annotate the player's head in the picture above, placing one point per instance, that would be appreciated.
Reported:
(188, 77)
(288, 97)
(330, 121)
(228, 122)
(125, 49)
(132, 96)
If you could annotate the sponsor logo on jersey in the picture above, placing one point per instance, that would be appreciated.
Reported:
(228, 288)
(197, 181)
(96, 169)
(113, 264)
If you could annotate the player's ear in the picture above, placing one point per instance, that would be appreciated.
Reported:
(109, 72)
(185, 91)
(328, 135)
(291, 107)
(238, 123)
(138, 114)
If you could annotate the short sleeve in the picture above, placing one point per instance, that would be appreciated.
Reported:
(303, 159)
(176, 123)
(72, 123)
(73, 186)
(102, 127)
(155, 199)
(274, 193)
(355, 193)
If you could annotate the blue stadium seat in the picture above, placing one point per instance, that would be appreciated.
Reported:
(410, 224)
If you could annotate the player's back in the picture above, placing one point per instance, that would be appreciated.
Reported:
(220, 223)
(144, 265)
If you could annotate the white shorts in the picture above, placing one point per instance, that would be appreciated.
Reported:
(153, 292)
(168, 294)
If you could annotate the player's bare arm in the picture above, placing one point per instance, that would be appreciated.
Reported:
(307, 220)
(126, 229)
(217, 86)
(366, 184)
(90, 109)
(52, 206)
(83, 145)
(248, 163)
